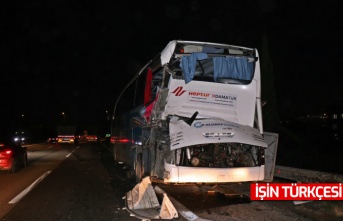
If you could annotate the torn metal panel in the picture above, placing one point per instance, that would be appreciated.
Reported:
(142, 202)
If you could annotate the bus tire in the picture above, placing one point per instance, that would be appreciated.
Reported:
(139, 168)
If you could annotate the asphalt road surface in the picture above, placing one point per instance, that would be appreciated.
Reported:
(83, 184)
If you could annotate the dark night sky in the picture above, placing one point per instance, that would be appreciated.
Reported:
(76, 56)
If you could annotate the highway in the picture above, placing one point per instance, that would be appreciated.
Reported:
(81, 182)
(64, 182)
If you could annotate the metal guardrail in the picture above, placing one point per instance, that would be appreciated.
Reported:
(306, 176)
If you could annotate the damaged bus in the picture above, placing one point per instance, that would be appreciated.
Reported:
(194, 115)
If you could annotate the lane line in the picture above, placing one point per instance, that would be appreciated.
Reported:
(106, 147)
(28, 189)
(72, 152)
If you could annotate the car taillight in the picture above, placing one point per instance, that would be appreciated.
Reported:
(6, 153)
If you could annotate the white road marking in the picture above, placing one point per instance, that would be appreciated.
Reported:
(28, 189)
(72, 152)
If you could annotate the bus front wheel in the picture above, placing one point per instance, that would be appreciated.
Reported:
(139, 168)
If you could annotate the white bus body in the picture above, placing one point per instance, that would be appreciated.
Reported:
(200, 120)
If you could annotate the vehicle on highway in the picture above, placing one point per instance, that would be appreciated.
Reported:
(12, 155)
(53, 139)
(66, 134)
(195, 117)
(91, 138)
(20, 137)
(66, 139)
(90, 134)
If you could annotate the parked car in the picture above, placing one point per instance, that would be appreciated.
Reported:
(12, 155)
